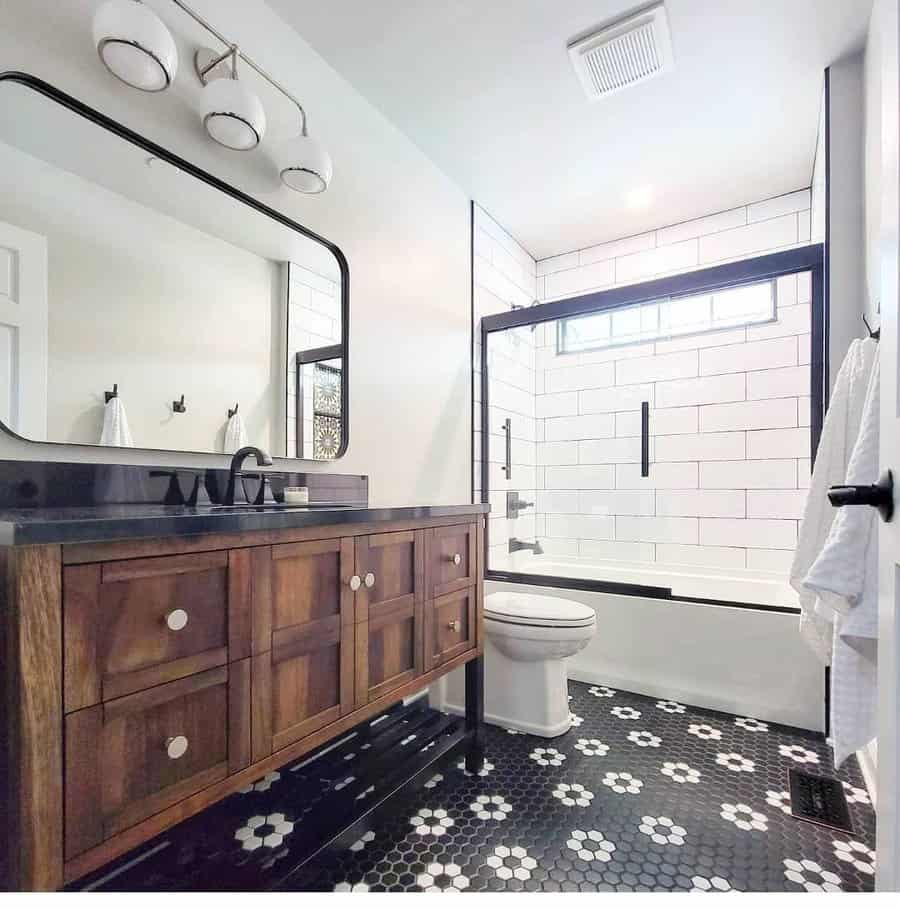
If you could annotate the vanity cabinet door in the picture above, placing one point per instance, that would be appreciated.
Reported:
(450, 627)
(389, 612)
(136, 623)
(134, 756)
(452, 558)
(304, 679)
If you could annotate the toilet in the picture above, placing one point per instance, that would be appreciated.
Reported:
(527, 640)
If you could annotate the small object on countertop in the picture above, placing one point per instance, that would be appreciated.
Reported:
(296, 495)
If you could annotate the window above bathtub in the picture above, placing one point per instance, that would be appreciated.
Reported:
(670, 317)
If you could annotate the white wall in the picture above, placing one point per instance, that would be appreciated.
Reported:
(401, 222)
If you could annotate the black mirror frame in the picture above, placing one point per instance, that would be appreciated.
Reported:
(123, 132)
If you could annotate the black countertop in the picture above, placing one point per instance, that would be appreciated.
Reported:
(105, 523)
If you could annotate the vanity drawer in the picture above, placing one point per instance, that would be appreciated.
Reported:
(133, 624)
(131, 757)
(450, 627)
(451, 558)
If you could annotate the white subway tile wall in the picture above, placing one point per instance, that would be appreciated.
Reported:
(729, 410)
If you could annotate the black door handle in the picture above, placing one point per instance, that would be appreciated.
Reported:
(879, 495)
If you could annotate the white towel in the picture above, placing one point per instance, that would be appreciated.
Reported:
(115, 425)
(845, 579)
(235, 434)
(839, 434)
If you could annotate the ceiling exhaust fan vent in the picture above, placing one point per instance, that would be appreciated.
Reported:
(625, 53)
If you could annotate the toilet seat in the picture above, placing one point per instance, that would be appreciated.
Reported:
(529, 609)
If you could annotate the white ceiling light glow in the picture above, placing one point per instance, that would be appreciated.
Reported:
(134, 45)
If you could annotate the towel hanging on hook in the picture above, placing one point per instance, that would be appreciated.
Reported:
(233, 411)
(109, 395)
(873, 333)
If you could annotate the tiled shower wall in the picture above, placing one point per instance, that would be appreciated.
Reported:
(504, 276)
(314, 320)
(730, 444)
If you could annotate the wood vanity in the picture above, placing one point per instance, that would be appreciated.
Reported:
(145, 678)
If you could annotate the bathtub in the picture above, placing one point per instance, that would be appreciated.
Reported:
(745, 661)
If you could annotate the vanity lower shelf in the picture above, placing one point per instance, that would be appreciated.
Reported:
(162, 675)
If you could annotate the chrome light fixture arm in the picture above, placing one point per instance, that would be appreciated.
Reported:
(234, 52)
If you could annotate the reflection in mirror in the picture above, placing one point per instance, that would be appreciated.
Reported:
(141, 306)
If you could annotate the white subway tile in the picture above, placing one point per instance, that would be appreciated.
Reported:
(666, 421)
(581, 527)
(779, 205)
(599, 477)
(662, 476)
(522, 427)
(804, 409)
(711, 224)
(778, 443)
(662, 260)
(804, 349)
(557, 453)
(557, 263)
(616, 248)
(610, 400)
(760, 533)
(610, 451)
(656, 368)
(576, 378)
(804, 287)
(616, 551)
(778, 413)
(706, 339)
(786, 291)
(778, 561)
(628, 424)
(780, 474)
(792, 320)
(553, 502)
(708, 556)
(564, 404)
(788, 382)
(656, 530)
(578, 280)
(743, 241)
(704, 390)
(628, 502)
(507, 397)
(589, 426)
(770, 354)
(705, 446)
(804, 469)
(698, 503)
(609, 354)
(776, 503)
(804, 226)
(562, 548)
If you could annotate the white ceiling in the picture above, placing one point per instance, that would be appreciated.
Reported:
(487, 92)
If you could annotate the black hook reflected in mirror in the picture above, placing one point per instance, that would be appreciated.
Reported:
(232, 412)
(179, 406)
(109, 395)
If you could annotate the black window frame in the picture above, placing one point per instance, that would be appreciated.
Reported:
(810, 258)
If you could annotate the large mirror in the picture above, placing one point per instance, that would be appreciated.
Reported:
(145, 304)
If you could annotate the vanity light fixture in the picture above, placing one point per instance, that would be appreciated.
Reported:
(232, 115)
(305, 165)
(135, 45)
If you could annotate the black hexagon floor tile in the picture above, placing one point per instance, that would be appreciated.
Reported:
(641, 794)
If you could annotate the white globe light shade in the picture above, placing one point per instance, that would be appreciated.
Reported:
(134, 45)
(305, 165)
(232, 114)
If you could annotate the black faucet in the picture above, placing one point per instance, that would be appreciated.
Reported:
(515, 545)
(263, 459)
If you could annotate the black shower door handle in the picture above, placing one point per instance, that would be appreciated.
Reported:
(645, 438)
(879, 495)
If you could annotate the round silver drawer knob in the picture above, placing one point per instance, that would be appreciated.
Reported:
(370, 580)
(456, 558)
(454, 626)
(176, 746)
(355, 582)
(176, 619)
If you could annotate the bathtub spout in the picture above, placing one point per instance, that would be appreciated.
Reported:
(517, 545)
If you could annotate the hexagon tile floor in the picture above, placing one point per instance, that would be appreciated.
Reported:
(641, 794)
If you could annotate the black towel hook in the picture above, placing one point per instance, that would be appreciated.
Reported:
(178, 406)
(231, 412)
(109, 395)
(873, 333)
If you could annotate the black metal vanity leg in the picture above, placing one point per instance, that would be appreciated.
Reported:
(475, 714)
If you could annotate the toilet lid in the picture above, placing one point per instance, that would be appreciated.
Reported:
(534, 609)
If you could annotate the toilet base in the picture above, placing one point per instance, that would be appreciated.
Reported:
(531, 697)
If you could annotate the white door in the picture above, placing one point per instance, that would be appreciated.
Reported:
(888, 787)
(23, 331)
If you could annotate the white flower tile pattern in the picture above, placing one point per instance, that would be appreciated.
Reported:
(601, 691)
(644, 739)
(671, 706)
(547, 757)
(527, 827)
(799, 754)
